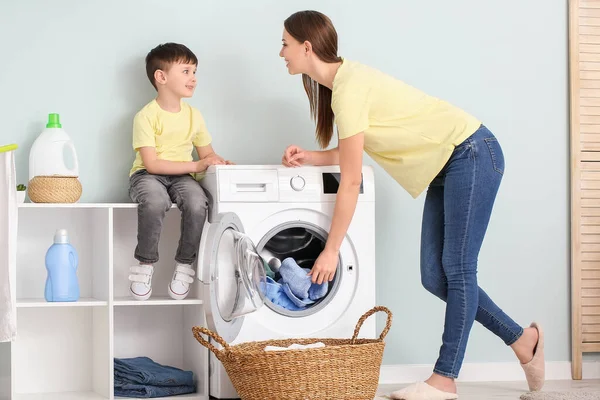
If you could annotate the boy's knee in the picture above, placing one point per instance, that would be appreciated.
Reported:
(193, 200)
(196, 207)
(156, 205)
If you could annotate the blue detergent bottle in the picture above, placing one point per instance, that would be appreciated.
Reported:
(61, 264)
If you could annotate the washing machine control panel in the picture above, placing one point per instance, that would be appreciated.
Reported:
(297, 183)
(280, 184)
(305, 184)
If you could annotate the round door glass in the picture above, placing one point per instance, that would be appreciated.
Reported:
(239, 274)
(290, 251)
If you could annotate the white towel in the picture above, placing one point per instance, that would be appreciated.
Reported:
(8, 247)
(296, 346)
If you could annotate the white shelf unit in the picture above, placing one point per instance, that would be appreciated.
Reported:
(65, 350)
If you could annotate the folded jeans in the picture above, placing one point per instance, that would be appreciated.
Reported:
(144, 371)
(126, 389)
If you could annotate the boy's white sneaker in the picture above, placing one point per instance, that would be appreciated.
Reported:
(141, 281)
(183, 277)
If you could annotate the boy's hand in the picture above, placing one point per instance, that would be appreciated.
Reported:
(206, 162)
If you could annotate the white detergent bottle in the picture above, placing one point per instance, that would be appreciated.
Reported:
(47, 155)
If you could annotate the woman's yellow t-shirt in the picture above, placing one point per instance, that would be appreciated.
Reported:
(409, 133)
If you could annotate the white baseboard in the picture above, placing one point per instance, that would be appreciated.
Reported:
(485, 372)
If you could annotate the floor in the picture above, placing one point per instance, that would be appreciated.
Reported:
(503, 390)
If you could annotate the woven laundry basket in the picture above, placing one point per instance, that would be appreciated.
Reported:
(54, 189)
(343, 369)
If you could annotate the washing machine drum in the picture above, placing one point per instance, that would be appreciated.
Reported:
(289, 241)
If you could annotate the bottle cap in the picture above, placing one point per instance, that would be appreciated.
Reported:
(53, 121)
(61, 236)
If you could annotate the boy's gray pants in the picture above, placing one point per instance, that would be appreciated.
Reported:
(155, 195)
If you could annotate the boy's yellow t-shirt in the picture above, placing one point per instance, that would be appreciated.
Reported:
(173, 135)
(409, 133)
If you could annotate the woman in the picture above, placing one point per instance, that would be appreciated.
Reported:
(421, 142)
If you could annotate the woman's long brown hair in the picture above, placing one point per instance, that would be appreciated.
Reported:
(318, 29)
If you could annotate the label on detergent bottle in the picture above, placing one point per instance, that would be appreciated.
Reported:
(61, 264)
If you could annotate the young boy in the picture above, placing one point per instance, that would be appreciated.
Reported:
(165, 133)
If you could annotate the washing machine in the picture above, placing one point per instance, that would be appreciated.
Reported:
(259, 215)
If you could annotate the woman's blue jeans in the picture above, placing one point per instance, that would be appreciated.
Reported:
(457, 210)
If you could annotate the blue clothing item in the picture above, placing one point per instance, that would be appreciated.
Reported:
(274, 292)
(457, 210)
(125, 389)
(295, 277)
(299, 302)
(317, 291)
(300, 284)
(144, 371)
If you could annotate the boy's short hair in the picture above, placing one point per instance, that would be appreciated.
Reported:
(164, 55)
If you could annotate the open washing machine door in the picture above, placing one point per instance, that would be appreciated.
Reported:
(232, 272)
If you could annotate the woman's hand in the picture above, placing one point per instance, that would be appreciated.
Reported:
(295, 156)
(324, 268)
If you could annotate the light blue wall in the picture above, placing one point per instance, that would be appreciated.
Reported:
(504, 61)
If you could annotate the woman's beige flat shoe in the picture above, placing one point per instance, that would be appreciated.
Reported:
(422, 391)
(535, 370)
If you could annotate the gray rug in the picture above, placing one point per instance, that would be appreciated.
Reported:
(577, 395)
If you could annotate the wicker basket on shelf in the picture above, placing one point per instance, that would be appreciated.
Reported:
(54, 189)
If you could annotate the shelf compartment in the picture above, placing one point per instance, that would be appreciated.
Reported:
(124, 243)
(164, 334)
(88, 233)
(62, 350)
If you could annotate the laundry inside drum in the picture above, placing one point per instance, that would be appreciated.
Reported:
(289, 254)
